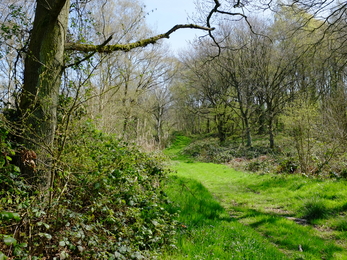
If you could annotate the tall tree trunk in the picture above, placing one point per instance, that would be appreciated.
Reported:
(42, 78)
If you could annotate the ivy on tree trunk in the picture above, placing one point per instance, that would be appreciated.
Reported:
(42, 77)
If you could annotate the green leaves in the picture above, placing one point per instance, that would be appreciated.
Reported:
(45, 235)
(9, 215)
(12, 242)
(8, 240)
(106, 198)
(2, 256)
(16, 21)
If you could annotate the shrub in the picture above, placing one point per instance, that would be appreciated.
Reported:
(209, 150)
(288, 165)
(106, 203)
(203, 150)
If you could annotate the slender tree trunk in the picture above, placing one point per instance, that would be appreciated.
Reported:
(220, 121)
(245, 119)
(271, 133)
(208, 126)
(126, 111)
(42, 78)
(248, 133)
(261, 120)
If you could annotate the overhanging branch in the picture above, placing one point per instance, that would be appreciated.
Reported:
(217, 4)
(129, 46)
(89, 55)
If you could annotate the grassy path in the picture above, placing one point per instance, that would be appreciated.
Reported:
(206, 230)
(274, 208)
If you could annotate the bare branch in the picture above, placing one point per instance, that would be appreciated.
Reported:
(208, 22)
(129, 46)
(215, 10)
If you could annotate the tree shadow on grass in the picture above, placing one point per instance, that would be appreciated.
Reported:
(297, 239)
(198, 208)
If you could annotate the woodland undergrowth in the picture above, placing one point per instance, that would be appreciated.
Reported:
(106, 203)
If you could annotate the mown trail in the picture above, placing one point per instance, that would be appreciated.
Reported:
(269, 204)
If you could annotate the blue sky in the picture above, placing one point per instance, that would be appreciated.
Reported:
(166, 14)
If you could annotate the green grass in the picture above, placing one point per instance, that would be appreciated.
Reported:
(264, 203)
(206, 231)
(300, 217)
(174, 151)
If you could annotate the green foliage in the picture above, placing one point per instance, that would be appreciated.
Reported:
(323, 161)
(315, 145)
(16, 20)
(106, 203)
(209, 150)
(204, 150)
(287, 165)
(259, 165)
(13, 199)
(2, 256)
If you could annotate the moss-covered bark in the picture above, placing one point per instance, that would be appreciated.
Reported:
(129, 46)
(42, 78)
